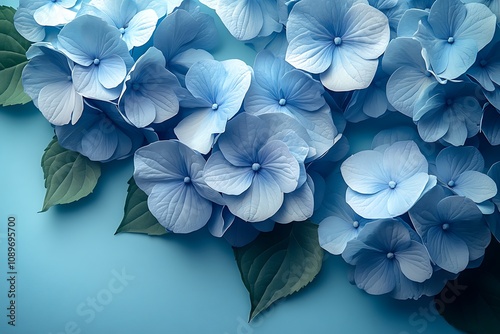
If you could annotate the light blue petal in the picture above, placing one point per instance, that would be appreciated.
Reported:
(86, 81)
(220, 220)
(408, 24)
(414, 262)
(402, 160)
(334, 234)
(403, 51)
(140, 111)
(453, 161)
(111, 71)
(226, 178)
(234, 86)
(447, 250)
(373, 206)
(406, 194)
(53, 14)
(178, 207)
(275, 158)
(244, 19)
(301, 91)
(433, 126)
(140, 28)
(259, 202)
(26, 25)
(375, 274)
(298, 205)
(99, 145)
(364, 172)
(479, 25)
(60, 104)
(475, 185)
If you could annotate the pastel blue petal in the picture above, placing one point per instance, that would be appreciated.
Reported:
(364, 172)
(298, 205)
(301, 91)
(226, 178)
(414, 262)
(140, 28)
(373, 206)
(406, 194)
(259, 202)
(220, 221)
(111, 71)
(402, 160)
(475, 185)
(243, 19)
(53, 14)
(408, 24)
(375, 274)
(403, 52)
(178, 207)
(334, 234)
(86, 81)
(99, 145)
(447, 250)
(432, 127)
(60, 104)
(478, 25)
(139, 110)
(453, 161)
(277, 161)
(26, 25)
(386, 235)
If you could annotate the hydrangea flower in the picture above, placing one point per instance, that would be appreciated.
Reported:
(252, 169)
(149, 94)
(47, 80)
(101, 134)
(409, 76)
(247, 19)
(136, 25)
(171, 174)
(386, 184)
(219, 89)
(184, 38)
(450, 112)
(460, 169)
(52, 12)
(101, 58)
(453, 34)
(486, 69)
(29, 28)
(384, 254)
(339, 40)
(452, 228)
(279, 88)
(493, 5)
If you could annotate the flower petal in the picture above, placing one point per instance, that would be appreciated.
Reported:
(364, 172)
(226, 178)
(415, 263)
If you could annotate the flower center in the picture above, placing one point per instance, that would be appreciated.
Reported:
(255, 166)
(483, 63)
(122, 30)
(337, 41)
(282, 102)
(97, 61)
(445, 226)
(451, 40)
(215, 106)
(136, 86)
(187, 180)
(427, 73)
(355, 224)
(451, 183)
(390, 255)
(392, 184)
(69, 78)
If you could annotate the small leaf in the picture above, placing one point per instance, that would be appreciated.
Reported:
(13, 49)
(137, 217)
(471, 303)
(69, 176)
(279, 263)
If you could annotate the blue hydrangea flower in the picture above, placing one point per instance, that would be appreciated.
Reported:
(149, 94)
(453, 34)
(452, 228)
(450, 112)
(47, 80)
(279, 88)
(30, 29)
(247, 19)
(409, 75)
(52, 13)
(338, 225)
(298, 205)
(252, 169)
(101, 58)
(171, 174)
(493, 5)
(136, 25)
(383, 254)
(460, 169)
(219, 89)
(486, 69)
(340, 40)
(184, 38)
(386, 184)
(101, 134)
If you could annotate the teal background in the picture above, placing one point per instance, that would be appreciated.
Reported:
(69, 256)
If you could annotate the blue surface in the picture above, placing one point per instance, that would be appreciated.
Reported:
(68, 258)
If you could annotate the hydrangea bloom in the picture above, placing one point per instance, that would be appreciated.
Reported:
(340, 40)
(219, 89)
(136, 25)
(52, 12)
(171, 174)
(279, 88)
(453, 34)
(149, 94)
(386, 184)
(247, 19)
(251, 169)
(451, 228)
(461, 170)
(101, 58)
(450, 112)
(384, 254)
(184, 37)
(101, 134)
(47, 80)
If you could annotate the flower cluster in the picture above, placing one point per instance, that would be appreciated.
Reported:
(238, 148)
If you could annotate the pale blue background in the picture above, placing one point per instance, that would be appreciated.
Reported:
(182, 284)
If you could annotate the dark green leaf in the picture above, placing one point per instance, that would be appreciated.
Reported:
(279, 263)
(13, 49)
(69, 176)
(137, 217)
(471, 303)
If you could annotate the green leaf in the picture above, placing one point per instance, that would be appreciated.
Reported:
(471, 303)
(279, 263)
(13, 49)
(137, 217)
(69, 176)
